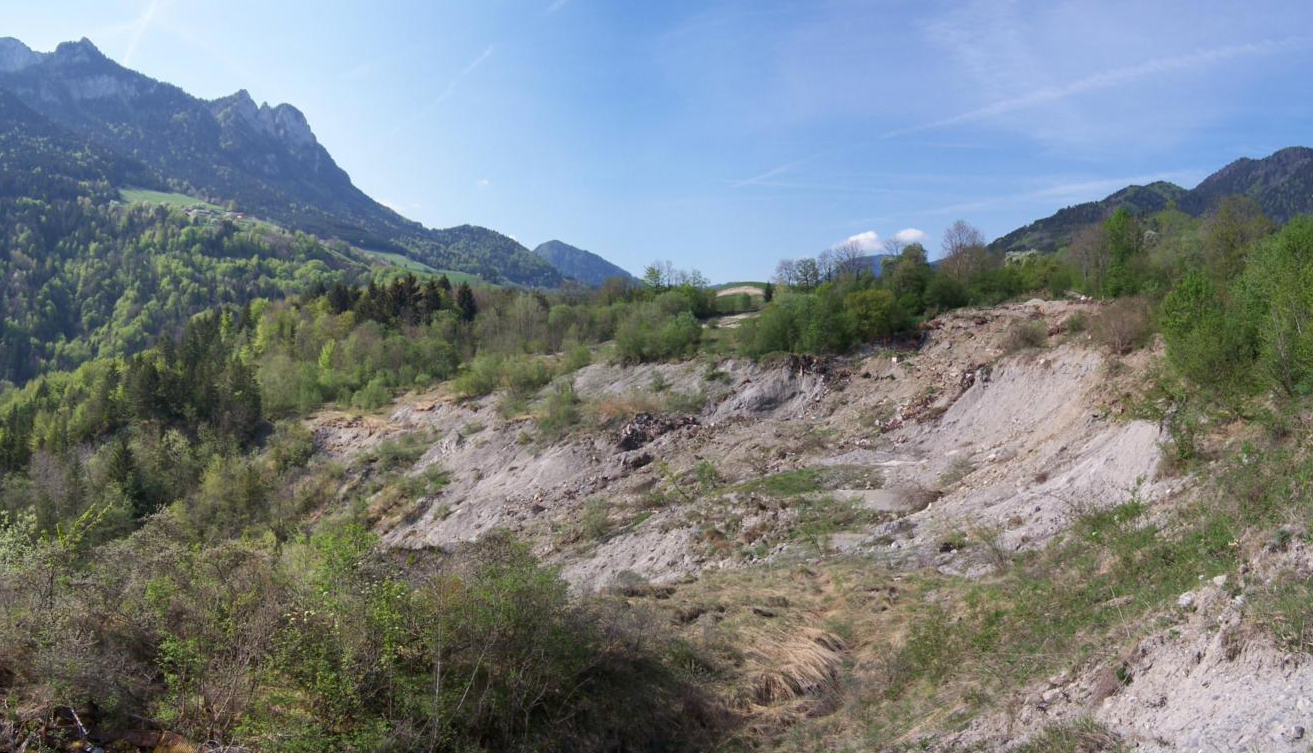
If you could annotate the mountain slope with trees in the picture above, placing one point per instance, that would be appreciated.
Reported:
(262, 160)
(82, 275)
(1281, 184)
(584, 266)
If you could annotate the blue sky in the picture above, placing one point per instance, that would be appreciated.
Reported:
(724, 135)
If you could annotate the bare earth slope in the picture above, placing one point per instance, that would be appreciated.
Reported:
(884, 462)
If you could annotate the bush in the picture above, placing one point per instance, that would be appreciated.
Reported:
(1123, 325)
(1024, 335)
(800, 323)
(875, 314)
(650, 335)
(373, 395)
(291, 446)
(560, 412)
(1205, 341)
(479, 377)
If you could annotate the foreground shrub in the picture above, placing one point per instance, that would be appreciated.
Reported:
(322, 643)
(1123, 325)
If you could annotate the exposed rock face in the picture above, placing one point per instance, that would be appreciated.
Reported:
(284, 122)
(15, 56)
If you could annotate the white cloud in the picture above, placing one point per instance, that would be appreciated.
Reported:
(482, 182)
(868, 241)
(555, 6)
(910, 235)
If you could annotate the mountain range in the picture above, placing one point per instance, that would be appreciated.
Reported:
(261, 160)
(1281, 184)
(584, 266)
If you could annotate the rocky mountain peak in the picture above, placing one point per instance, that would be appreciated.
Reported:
(289, 124)
(283, 122)
(15, 56)
(81, 51)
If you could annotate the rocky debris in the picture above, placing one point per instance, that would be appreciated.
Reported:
(645, 427)
(637, 460)
(829, 369)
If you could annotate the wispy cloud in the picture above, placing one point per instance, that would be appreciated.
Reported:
(141, 25)
(1109, 79)
(555, 6)
(778, 170)
(449, 90)
(455, 80)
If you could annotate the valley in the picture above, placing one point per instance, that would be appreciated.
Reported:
(282, 470)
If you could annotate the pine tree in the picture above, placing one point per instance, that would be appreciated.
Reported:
(465, 302)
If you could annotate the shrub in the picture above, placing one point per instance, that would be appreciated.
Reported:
(1023, 335)
(373, 395)
(479, 377)
(576, 357)
(291, 446)
(875, 314)
(524, 376)
(560, 412)
(1123, 325)
(945, 292)
(1076, 323)
(800, 323)
(649, 335)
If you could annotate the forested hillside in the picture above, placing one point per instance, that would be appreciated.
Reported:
(584, 266)
(1281, 185)
(263, 161)
(84, 276)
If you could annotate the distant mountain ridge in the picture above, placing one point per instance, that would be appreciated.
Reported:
(1281, 184)
(584, 266)
(264, 159)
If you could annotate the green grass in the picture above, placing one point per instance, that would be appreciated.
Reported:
(397, 260)
(418, 267)
(133, 195)
(808, 480)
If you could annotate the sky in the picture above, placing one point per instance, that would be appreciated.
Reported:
(725, 135)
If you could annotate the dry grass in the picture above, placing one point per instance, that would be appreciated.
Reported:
(789, 671)
(610, 411)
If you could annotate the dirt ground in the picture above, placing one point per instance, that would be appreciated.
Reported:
(678, 471)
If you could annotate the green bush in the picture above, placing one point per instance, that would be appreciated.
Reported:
(1031, 333)
(800, 323)
(560, 411)
(478, 377)
(875, 314)
(373, 395)
(650, 335)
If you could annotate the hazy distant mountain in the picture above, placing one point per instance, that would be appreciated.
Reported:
(266, 160)
(1053, 232)
(584, 266)
(1281, 183)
